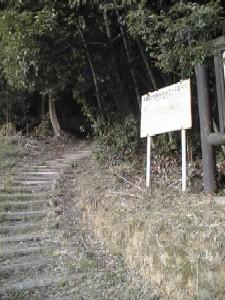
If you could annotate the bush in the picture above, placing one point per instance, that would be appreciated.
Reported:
(116, 139)
(44, 129)
(7, 129)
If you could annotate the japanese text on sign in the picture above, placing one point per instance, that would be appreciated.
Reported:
(167, 109)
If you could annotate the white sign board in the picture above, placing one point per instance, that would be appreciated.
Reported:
(168, 109)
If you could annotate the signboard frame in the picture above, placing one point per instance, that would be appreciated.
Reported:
(175, 94)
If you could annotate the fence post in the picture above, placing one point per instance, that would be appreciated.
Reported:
(208, 155)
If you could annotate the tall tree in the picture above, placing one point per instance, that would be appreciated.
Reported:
(37, 52)
(178, 36)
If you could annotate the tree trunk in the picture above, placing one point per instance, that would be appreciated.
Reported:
(92, 70)
(53, 116)
(42, 106)
(121, 103)
(125, 41)
(149, 71)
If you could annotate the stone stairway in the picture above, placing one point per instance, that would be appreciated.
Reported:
(29, 268)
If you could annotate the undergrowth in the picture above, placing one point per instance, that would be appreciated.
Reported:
(10, 148)
(116, 139)
(44, 129)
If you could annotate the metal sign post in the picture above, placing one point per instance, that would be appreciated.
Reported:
(148, 162)
(184, 160)
(167, 110)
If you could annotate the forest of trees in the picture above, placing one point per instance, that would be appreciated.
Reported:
(102, 55)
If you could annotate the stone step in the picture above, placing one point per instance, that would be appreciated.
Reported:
(31, 178)
(79, 155)
(42, 174)
(21, 215)
(34, 168)
(71, 297)
(23, 264)
(25, 189)
(29, 204)
(8, 263)
(41, 166)
(20, 227)
(41, 195)
(38, 173)
(37, 283)
(9, 251)
(22, 238)
(55, 161)
(58, 166)
(31, 183)
(49, 170)
(53, 166)
(20, 274)
(73, 155)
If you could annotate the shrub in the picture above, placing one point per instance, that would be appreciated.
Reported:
(7, 129)
(44, 129)
(116, 139)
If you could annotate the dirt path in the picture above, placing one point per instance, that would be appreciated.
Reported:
(44, 253)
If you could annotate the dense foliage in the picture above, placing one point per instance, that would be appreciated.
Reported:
(179, 37)
(116, 139)
(104, 53)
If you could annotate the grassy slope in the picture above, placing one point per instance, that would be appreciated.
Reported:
(176, 242)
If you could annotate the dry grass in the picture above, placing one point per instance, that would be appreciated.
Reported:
(175, 241)
(105, 276)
